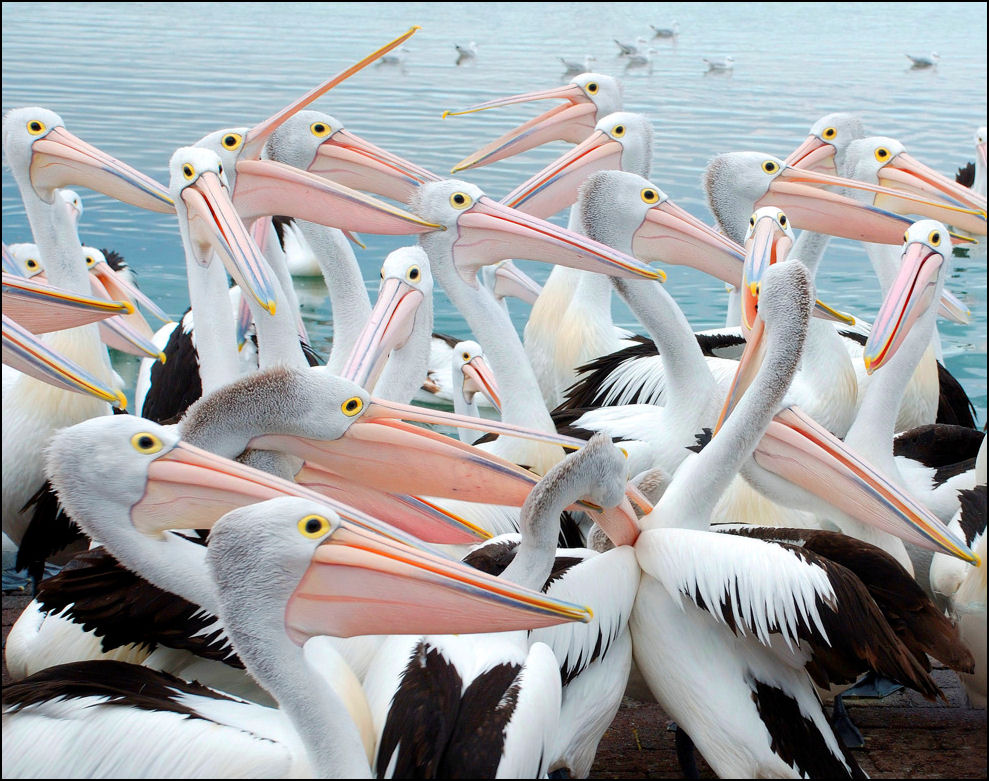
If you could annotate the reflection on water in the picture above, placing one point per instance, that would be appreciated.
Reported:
(140, 80)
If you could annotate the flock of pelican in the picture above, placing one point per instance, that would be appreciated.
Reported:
(747, 520)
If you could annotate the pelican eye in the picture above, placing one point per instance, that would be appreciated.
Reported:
(906, 236)
(934, 239)
(752, 221)
(460, 200)
(592, 88)
(618, 131)
(320, 129)
(31, 263)
(146, 443)
(466, 357)
(649, 195)
(35, 128)
(352, 406)
(313, 526)
(413, 274)
(219, 168)
(188, 172)
(830, 133)
(232, 140)
(882, 154)
(90, 260)
(770, 166)
(782, 219)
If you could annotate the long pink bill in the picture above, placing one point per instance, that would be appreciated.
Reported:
(26, 353)
(961, 206)
(510, 280)
(215, 226)
(61, 159)
(257, 136)
(119, 288)
(489, 232)
(573, 122)
(388, 329)
(350, 160)
(798, 450)
(40, 307)
(799, 193)
(190, 488)
(362, 583)
(265, 187)
(478, 378)
(556, 186)
(952, 308)
(768, 243)
(814, 154)
(910, 296)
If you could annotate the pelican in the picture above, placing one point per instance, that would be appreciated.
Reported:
(314, 548)
(704, 654)
(476, 379)
(974, 174)
(44, 156)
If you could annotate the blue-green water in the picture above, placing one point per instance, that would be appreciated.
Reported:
(139, 80)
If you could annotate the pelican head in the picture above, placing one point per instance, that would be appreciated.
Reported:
(769, 240)
(824, 148)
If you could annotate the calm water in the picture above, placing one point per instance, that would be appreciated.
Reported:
(139, 80)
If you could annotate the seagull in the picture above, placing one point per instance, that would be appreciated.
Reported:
(925, 61)
(720, 63)
(626, 49)
(666, 32)
(573, 66)
(465, 53)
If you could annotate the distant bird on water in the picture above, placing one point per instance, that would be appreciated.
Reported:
(666, 32)
(575, 67)
(720, 63)
(625, 49)
(466, 53)
(925, 61)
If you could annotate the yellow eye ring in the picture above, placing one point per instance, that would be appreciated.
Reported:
(782, 219)
(618, 131)
(830, 133)
(188, 172)
(770, 166)
(592, 88)
(36, 127)
(649, 195)
(752, 221)
(313, 526)
(465, 356)
(934, 239)
(90, 260)
(146, 443)
(31, 263)
(232, 140)
(906, 236)
(413, 274)
(882, 154)
(320, 129)
(460, 200)
(352, 406)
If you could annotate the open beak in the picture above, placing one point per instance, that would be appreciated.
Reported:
(388, 328)
(118, 287)
(191, 488)
(350, 160)
(510, 280)
(801, 451)
(214, 225)
(556, 186)
(478, 378)
(767, 244)
(265, 187)
(257, 136)
(26, 353)
(814, 155)
(61, 159)
(960, 206)
(39, 307)
(951, 307)
(799, 193)
(573, 121)
(361, 582)
(489, 231)
(910, 296)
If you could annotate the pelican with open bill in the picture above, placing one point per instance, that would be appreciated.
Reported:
(40, 307)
